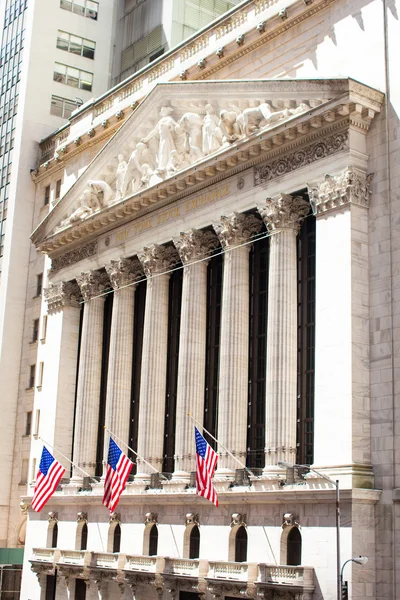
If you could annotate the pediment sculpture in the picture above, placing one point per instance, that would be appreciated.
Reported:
(171, 145)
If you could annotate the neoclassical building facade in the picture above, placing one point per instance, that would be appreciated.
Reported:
(214, 259)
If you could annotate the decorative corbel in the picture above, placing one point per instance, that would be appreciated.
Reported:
(238, 519)
(53, 516)
(150, 517)
(290, 520)
(115, 517)
(81, 516)
(192, 519)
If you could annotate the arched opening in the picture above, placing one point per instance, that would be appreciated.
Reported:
(194, 548)
(84, 534)
(294, 547)
(54, 536)
(241, 545)
(117, 538)
(153, 541)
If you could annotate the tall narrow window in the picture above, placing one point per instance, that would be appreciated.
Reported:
(214, 296)
(46, 195)
(294, 547)
(174, 319)
(39, 284)
(31, 381)
(257, 352)
(117, 538)
(140, 301)
(84, 536)
(194, 550)
(241, 545)
(80, 589)
(41, 373)
(153, 541)
(58, 189)
(103, 388)
(35, 330)
(54, 536)
(44, 329)
(306, 342)
(33, 472)
(28, 423)
(24, 470)
(37, 422)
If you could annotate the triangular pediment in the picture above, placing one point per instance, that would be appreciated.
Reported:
(185, 132)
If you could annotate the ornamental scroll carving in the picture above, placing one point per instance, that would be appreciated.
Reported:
(195, 245)
(70, 258)
(92, 284)
(176, 142)
(124, 271)
(350, 186)
(237, 228)
(59, 295)
(284, 212)
(157, 259)
(300, 158)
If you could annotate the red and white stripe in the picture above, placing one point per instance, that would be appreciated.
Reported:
(115, 481)
(46, 485)
(204, 473)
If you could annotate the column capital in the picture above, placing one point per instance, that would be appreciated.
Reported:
(124, 271)
(59, 295)
(157, 259)
(195, 245)
(284, 212)
(237, 228)
(351, 186)
(92, 283)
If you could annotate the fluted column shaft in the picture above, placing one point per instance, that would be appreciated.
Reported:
(283, 216)
(122, 274)
(155, 260)
(192, 246)
(234, 341)
(89, 380)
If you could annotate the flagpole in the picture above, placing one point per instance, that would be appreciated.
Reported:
(66, 458)
(219, 444)
(134, 451)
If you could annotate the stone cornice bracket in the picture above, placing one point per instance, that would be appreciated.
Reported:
(81, 517)
(351, 186)
(238, 519)
(290, 520)
(115, 517)
(92, 284)
(195, 245)
(124, 271)
(284, 212)
(237, 228)
(192, 519)
(150, 517)
(53, 516)
(59, 295)
(158, 259)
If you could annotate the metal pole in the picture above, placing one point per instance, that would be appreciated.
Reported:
(338, 573)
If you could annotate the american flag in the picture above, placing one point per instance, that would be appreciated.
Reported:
(118, 468)
(206, 463)
(47, 479)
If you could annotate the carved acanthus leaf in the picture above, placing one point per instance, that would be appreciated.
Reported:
(59, 295)
(158, 259)
(124, 271)
(195, 245)
(92, 283)
(284, 212)
(350, 186)
(237, 229)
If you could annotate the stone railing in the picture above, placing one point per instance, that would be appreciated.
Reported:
(260, 574)
(72, 557)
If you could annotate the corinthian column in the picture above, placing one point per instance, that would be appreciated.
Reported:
(122, 273)
(192, 246)
(155, 260)
(91, 284)
(282, 216)
(234, 343)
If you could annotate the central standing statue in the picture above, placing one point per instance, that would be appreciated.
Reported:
(164, 132)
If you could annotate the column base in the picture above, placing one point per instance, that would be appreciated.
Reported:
(229, 473)
(181, 476)
(143, 478)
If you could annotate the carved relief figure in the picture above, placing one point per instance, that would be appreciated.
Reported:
(164, 133)
(120, 176)
(212, 134)
(230, 129)
(102, 191)
(134, 171)
(191, 126)
(258, 117)
(95, 197)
